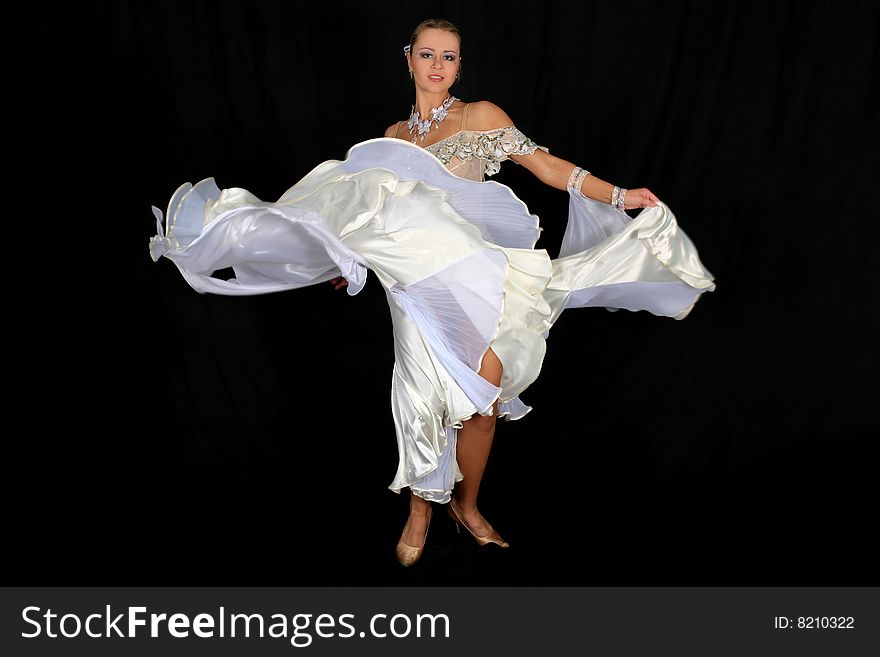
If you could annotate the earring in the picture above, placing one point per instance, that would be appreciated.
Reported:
(410, 75)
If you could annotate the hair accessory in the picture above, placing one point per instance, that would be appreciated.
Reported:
(406, 49)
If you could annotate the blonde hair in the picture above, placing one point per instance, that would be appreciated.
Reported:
(437, 24)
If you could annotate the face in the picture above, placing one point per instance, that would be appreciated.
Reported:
(434, 59)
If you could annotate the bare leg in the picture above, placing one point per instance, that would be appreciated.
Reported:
(474, 443)
(418, 521)
(472, 450)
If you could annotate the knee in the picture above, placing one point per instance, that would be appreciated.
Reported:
(491, 368)
(485, 423)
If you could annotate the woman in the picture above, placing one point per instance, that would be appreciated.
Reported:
(471, 299)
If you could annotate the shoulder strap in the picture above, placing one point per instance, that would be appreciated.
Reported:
(464, 116)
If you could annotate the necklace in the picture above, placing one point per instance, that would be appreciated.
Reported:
(424, 127)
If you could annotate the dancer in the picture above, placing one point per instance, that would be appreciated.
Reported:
(471, 299)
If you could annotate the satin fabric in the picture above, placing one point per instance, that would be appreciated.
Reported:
(459, 267)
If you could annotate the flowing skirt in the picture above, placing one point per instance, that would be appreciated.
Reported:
(459, 267)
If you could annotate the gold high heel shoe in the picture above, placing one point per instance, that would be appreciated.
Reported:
(407, 555)
(494, 537)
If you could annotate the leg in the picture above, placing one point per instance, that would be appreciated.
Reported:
(472, 450)
(474, 442)
(419, 510)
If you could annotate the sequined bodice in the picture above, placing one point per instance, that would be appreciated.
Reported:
(474, 154)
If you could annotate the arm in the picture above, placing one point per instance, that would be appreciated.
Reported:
(554, 171)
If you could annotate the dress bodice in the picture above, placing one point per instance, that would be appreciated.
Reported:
(474, 154)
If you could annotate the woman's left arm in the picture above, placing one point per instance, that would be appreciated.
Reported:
(555, 171)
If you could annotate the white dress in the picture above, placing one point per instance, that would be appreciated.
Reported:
(456, 257)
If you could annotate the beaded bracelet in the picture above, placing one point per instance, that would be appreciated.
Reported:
(620, 203)
(614, 193)
(576, 179)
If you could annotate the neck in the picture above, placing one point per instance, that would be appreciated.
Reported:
(426, 101)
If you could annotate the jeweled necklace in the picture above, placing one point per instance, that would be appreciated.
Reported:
(424, 127)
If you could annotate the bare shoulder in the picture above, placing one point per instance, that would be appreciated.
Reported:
(486, 115)
(392, 129)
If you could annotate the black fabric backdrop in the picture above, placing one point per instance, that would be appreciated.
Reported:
(165, 437)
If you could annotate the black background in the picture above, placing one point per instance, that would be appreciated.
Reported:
(159, 436)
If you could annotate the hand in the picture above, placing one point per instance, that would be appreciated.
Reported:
(339, 282)
(639, 198)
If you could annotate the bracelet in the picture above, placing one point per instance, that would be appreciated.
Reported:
(576, 179)
(614, 193)
(620, 203)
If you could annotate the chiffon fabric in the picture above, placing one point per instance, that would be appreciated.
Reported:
(458, 264)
